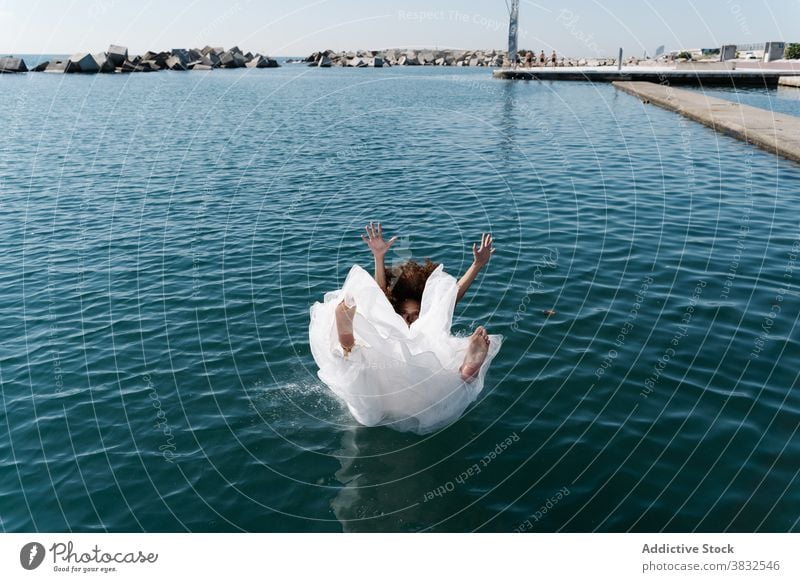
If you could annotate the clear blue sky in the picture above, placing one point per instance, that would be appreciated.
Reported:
(299, 27)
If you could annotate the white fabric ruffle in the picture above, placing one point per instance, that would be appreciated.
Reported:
(403, 377)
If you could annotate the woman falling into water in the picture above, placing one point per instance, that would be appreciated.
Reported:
(383, 343)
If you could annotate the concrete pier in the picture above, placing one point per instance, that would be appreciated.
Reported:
(776, 133)
(719, 75)
(789, 81)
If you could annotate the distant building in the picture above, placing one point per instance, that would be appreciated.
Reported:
(774, 51)
(727, 52)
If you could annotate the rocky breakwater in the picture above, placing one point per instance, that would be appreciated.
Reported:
(117, 60)
(403, 57)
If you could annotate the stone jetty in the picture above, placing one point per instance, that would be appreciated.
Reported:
(776, 133)
(117, 60)
(407, 57)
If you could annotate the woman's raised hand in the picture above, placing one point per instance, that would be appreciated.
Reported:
(482, 254)
(374, 240)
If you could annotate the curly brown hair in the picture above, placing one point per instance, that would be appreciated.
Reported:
(407, 281)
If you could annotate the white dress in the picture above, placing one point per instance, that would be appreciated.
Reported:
(404, 377)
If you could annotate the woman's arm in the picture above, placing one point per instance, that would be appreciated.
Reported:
(378, 246)
(480, 256)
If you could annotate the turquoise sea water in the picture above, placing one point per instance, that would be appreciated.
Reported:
(164, 236)
(782, 100)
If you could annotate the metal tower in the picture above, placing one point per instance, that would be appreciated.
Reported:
(513, 30)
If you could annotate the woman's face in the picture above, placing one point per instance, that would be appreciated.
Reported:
(409, 309)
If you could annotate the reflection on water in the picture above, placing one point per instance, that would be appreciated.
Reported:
(384, 483)
(393, 482)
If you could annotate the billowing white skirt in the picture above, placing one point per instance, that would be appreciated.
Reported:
(403, 377)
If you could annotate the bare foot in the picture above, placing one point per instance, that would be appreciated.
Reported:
(344, 326)
(476, 354)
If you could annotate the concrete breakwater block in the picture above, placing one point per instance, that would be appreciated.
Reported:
(426, 58)
(147, 66)
(56, 67)
(232, 59)
(239, 59)
(226, 60)
(127, 67)
(106, 66)
(117, 55)
(154, 60)
(356, 62)
(82, 63)
(261, 62)
(182, 55)
(138, 65)
(161, 59)
(202, 63)
(175, 63)
(12, 65)
(256, 63)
